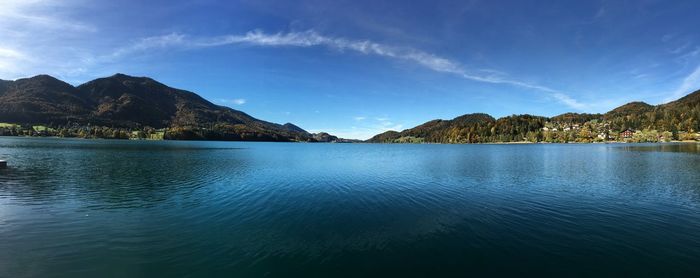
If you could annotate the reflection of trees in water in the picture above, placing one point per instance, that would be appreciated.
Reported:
(657, 169)
(117, 175)
(680, 147)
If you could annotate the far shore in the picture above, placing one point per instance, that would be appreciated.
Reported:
(362, 142)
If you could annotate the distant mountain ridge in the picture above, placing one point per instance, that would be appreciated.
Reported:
(132, 102)
(680, 117)
(293, 127)
(129, 104)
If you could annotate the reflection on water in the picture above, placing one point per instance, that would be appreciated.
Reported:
(666, 147)
(119, 173)
(87, 208)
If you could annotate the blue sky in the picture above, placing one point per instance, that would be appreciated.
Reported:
(358, 68)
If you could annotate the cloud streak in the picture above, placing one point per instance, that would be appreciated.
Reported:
(39, 36)
(366, 47)
(14, 63)
(690, 83)
(38, 14)
(236, 101)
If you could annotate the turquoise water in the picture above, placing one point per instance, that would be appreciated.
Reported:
(100, 208)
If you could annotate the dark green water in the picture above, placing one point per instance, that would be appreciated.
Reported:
(79, 208)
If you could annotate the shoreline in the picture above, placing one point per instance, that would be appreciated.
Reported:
(362, 142)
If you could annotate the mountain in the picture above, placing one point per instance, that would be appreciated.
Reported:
(437, 131)
(124, 101)
(576, 118)
(687, 101)
(133, 101)
(122, 104)
(389, 136)
(681, 118)
(292, 127)
(41, 99)
(636, 107)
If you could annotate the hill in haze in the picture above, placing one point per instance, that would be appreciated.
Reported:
(127, 102)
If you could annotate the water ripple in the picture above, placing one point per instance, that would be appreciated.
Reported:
(84, 208)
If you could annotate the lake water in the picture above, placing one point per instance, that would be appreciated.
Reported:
(101, 208)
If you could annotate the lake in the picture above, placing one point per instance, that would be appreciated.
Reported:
(102, 208)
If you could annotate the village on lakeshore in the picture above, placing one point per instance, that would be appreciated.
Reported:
(602, 132)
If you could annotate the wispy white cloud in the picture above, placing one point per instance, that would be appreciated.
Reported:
(690, 55)
(690, 83)
(81, 61)
(236, 101)
(39, 13)
(385, 124)
(86, 61)
(40, 36)
(569, 101)
(145, 44)
(360, 118)
(679, 49)
(367, 47)
(641, 76)
(602, 11)
(11, 53)
(667, 37)
(12, 61)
